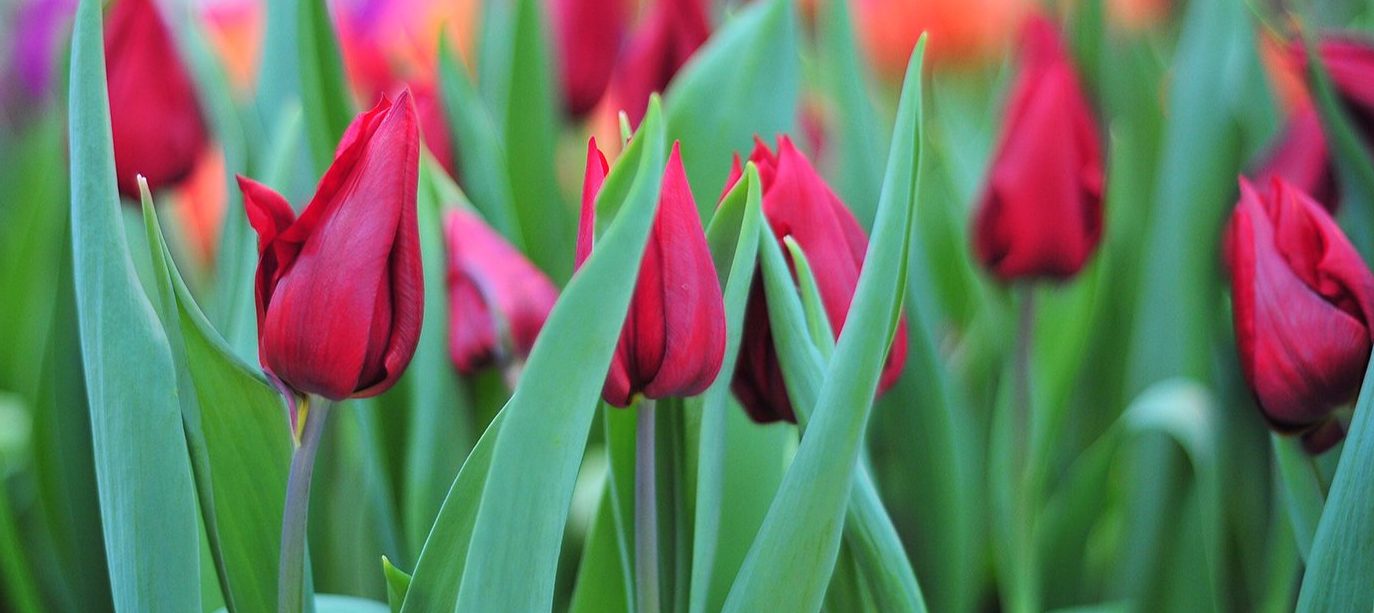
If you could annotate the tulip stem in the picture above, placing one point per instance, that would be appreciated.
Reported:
(291, 570)
(1025, 575)
(646, 511)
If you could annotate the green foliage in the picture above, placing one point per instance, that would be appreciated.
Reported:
(142, 466)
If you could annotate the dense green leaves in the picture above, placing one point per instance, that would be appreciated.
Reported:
(146, 493)
(796, 549)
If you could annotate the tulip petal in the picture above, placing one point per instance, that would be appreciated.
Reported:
(1301, 353)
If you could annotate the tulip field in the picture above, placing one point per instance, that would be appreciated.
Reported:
(357, 306)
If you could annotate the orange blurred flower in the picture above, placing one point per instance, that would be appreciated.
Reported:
(961, 31)
(235, 29)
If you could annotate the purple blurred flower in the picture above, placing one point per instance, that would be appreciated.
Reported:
(38, 28)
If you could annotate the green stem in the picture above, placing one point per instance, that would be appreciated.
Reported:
(1024, 574)
(646, 511)
(291, 570)
(1302, 490)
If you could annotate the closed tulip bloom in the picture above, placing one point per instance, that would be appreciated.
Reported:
(1300, 157)
(1302, 302)
(589, 34)
(663, 41)
(498, 300)
(798, 203)
(340, 293)
(1040, 214)
(155, 119)
(673, 341)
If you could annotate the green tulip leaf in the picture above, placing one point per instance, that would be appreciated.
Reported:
(794, 554)
(324, 88)
(238, 435)
(1340, 570)
(147, 497)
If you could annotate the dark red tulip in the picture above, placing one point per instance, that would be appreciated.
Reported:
(663, 41)
(1040, 214)
(155, 118)
(589, 34)
(798, 203)
(673, 342)
(340, 294)
(1301, 158)
(498, 300)
(1302, 301)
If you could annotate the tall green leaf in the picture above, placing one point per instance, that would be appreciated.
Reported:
(733, 235)
(794, 554)
(516, 76)
(1340, 569)
(239, 438)
(744, 81)
(146, 491)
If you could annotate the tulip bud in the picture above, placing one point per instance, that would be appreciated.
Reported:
(340, 294)
(1040, 214)
(155, 117)
(497, 298)
(588, 34)
(673, 341)
(1302, 303)
(1300, 157)
(798, 203)
(664, 41)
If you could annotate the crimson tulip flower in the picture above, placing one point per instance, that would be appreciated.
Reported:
(1302, 303)
(1040, 214)
(340, 294)
(664, 40)
(798, 203)
(673, 341)
(589, 34)
(1300, 157)
(155, 118)
(498, 300)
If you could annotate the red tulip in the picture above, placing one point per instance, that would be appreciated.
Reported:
(588, 34)
(1302, 301)
(340, 294)
(664, 41)
(155, 117)
(673, 341)
(498, 300)
(798, 203)
(1300, 157)
(1041, 211)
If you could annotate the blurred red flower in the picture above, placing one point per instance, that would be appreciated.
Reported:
(798, 203)
(588, 34)
(498, 300)
(340, 293)
(1040, 214)
(1302, 301)
(673, 341)
(662, 42)
(155, 118)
